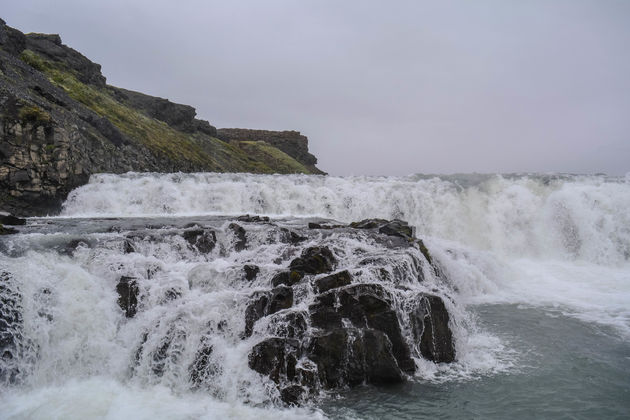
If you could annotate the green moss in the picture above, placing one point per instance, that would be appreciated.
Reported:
(33, 114)
(272, 157)
(200, 151)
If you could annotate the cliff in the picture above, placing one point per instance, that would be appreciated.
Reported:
(60, 122)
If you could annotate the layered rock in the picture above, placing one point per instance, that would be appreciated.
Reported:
(60, 122)
(292, 143)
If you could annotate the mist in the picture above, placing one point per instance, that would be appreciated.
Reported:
(379, 88)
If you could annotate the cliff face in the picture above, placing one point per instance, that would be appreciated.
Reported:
(292, 143)
(60, 122)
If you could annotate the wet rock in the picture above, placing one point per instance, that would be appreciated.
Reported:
(313, 225)
(430, 328)
(292, 394)
(204, 240)
(7, 230)
(287, 278)
(290, 237)
(289, 324)
(128, 247)
(352, 357)
(251, 271)
(252, 219)
(169, 350)
(314, 260)
(365, 306)
(394, 227)
(11, 324)
(127, 289)
(7, 219)
(276, 358)
(423, 249)
(324, 284)
(71, 246)
(267, 303)
(172, 294)
(202, 368)
(240, 235)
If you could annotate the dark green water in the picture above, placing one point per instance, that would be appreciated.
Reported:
(563, 369)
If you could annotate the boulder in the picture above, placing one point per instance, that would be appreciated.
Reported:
(394, 227)
(430, 328)
(8, 219)
(276, 358)
(366, 306)
(333, 281)
(127, 289)
(287, 278)
(204, 240)
(267, 303)
(251, 271)
(314, 260)
(240, 236)
(352, 357)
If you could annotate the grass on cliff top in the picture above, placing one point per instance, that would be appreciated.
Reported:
(273, 157)
(154, 134)
(203, 152)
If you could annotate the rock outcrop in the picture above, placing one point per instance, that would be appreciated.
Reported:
(60, 122)
(292, 143)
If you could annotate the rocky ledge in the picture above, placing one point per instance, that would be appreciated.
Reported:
(316, 309)
(60, 122)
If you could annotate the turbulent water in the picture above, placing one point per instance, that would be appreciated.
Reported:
(539, 282)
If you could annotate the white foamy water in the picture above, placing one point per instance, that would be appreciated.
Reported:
(560, 241)
(558, 244)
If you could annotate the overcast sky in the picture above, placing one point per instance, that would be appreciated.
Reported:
(379, 87)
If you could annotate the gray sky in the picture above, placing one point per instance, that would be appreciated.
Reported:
(379, 87)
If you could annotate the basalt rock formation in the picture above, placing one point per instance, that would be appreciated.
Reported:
(340, 306)
(60, 122)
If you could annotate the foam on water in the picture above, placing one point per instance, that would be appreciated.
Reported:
(560, 241)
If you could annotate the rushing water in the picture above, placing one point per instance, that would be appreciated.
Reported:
(538, 265)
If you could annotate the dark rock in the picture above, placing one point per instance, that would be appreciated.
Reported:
(394, 227)
(11, 40)
(7, 219)
(71, 246)
(252, 219)
(128, 247)
(172, 294)
(314, 260)
(365, 306)
(290, 142)
(169, 350)
(241, 238)
(267, 303)
(11, 325)
(430, 328)
(275, 358)
(292, 394)
(288, 278)
(128, 291)
(290, 237)
(352, 357)
(342, 278)
(425, 251)
(313, 225)
(178, 116)
(251, 271)
(7, 230)
(50, 47)
(203, 239)
(202, 368)
(289, 324)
